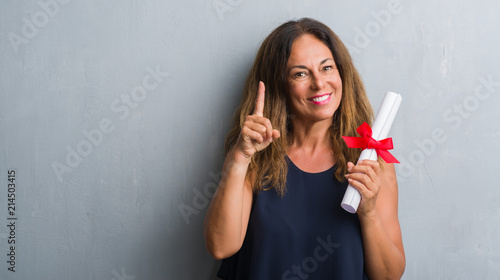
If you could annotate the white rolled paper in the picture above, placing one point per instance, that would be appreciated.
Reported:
(380, 130)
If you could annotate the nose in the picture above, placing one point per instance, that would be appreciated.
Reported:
(317, 81)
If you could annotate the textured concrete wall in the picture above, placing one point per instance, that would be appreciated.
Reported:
(113, 116)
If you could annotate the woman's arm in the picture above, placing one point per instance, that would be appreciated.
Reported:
(226, 221)
(227, 218)
(378, 216)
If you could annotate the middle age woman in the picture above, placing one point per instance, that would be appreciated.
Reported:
(276, 213)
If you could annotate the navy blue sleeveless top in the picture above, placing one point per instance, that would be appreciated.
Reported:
(304, 235)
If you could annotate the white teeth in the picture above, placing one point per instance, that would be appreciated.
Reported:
(322, 98)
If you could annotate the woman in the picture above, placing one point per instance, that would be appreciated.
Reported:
(276, 213)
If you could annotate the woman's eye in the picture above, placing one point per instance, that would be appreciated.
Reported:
(327, 68)
(299, 75)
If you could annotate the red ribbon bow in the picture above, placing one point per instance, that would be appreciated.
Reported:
(366, 141)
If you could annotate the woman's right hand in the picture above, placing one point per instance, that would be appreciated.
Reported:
(257, 132)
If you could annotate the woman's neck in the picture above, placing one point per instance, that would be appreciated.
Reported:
(311, 137)
(310, 148)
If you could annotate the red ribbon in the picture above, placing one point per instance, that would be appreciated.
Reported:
(366, 141)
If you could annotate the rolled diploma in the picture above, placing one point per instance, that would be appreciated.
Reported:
(380, 130)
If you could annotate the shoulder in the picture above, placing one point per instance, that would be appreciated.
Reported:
(388, 177)
(387, 200)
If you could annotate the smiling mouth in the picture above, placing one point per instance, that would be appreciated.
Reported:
(320, 98)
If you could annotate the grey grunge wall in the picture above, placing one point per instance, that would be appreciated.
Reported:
(113, 116)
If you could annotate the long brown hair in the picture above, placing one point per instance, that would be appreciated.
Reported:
(269, 167)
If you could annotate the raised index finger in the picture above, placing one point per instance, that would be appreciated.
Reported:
(259, 103)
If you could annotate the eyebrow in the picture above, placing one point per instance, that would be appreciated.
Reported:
(304, 67)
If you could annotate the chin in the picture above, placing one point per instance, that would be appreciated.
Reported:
(324, 117)
(327, 114)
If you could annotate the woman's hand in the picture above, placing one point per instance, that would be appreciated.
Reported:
(257, 132)
(378, 217)
(365, 177)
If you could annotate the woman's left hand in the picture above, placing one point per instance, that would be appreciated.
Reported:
(365, 177)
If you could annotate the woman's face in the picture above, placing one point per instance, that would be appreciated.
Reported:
(314, 84)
